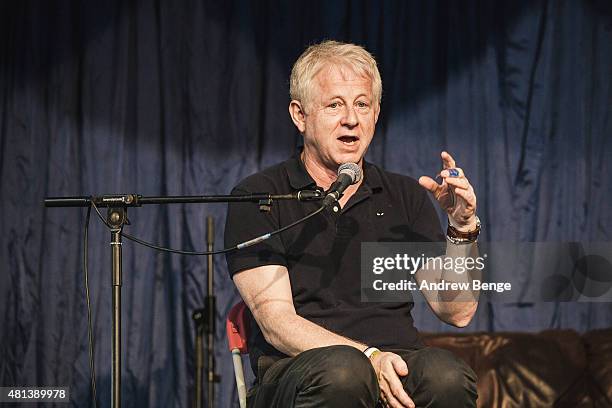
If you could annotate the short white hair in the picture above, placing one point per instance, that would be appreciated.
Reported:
(310, 63)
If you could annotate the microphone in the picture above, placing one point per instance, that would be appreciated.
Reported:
(348, 174)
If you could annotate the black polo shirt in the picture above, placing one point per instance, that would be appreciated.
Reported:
(323, 254)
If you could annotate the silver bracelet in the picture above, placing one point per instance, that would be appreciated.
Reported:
(460, 241)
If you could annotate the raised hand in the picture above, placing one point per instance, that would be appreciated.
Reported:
(455, 195)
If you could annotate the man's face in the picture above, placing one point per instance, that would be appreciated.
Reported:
(339, 117)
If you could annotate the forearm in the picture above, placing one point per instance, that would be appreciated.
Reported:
(463, 271)
(292, 334)
(454, 306)
(267, 292)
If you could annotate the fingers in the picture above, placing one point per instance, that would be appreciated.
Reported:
(400, 366)
(429, 184)
(469, 196)
(457, 170)
(394, 403)
(398, 393)
(455, 177)
(458, 183)
(447, 160)
(395, 396)
(393, 393)
(455, 194)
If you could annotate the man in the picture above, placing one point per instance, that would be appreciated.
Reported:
(315, 343)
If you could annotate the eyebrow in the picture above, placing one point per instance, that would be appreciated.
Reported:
(340, 97)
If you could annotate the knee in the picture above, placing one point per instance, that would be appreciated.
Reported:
(347, 371)
(447, 377)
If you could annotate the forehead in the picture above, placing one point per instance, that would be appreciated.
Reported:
(342, 80)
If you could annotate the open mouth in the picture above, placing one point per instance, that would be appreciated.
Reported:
(348, 140)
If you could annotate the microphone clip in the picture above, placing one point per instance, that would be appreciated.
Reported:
(265, 205)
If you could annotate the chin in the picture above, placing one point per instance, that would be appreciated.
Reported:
(348, 158)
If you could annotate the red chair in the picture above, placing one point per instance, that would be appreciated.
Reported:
(237, 328)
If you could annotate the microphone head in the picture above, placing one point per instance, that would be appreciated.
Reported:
(352, 170)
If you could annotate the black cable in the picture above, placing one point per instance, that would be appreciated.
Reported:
(278, 231)
(92, 365)
(175, 251)
(157, 247)
(219, 251)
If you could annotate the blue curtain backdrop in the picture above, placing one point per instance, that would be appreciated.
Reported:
(188, 97)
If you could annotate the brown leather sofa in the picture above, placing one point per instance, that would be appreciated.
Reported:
(554, 368)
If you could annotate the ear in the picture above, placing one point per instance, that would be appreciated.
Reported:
(298, 116)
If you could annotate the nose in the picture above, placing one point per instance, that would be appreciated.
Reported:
(350, 119)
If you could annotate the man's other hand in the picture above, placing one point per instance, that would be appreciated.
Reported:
(389, 368)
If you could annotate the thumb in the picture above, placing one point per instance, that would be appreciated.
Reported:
(400, 366)
(428, 183)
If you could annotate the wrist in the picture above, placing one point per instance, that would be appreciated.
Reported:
(463, 235)
(370, 352)
(467, 225)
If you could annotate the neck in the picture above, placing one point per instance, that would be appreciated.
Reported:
(324, 176)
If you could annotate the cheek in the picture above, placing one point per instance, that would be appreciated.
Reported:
(369, 124)
(325, 128)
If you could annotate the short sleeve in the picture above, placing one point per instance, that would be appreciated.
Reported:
(426, 223)
(244, 222)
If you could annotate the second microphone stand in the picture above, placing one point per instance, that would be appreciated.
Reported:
(205, 324)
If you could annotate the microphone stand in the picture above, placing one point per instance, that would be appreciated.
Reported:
(205, 321)
(198, 316)
(210, 313)
(116, 218)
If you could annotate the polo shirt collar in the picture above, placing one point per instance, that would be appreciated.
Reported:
(372, 176)
(299, 177)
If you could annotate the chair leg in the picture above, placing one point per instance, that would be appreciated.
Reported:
(239, 373)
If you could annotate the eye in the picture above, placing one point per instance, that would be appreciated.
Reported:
(334, 105)
(362, 106)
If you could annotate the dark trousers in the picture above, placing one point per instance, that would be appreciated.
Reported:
(342, 376)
